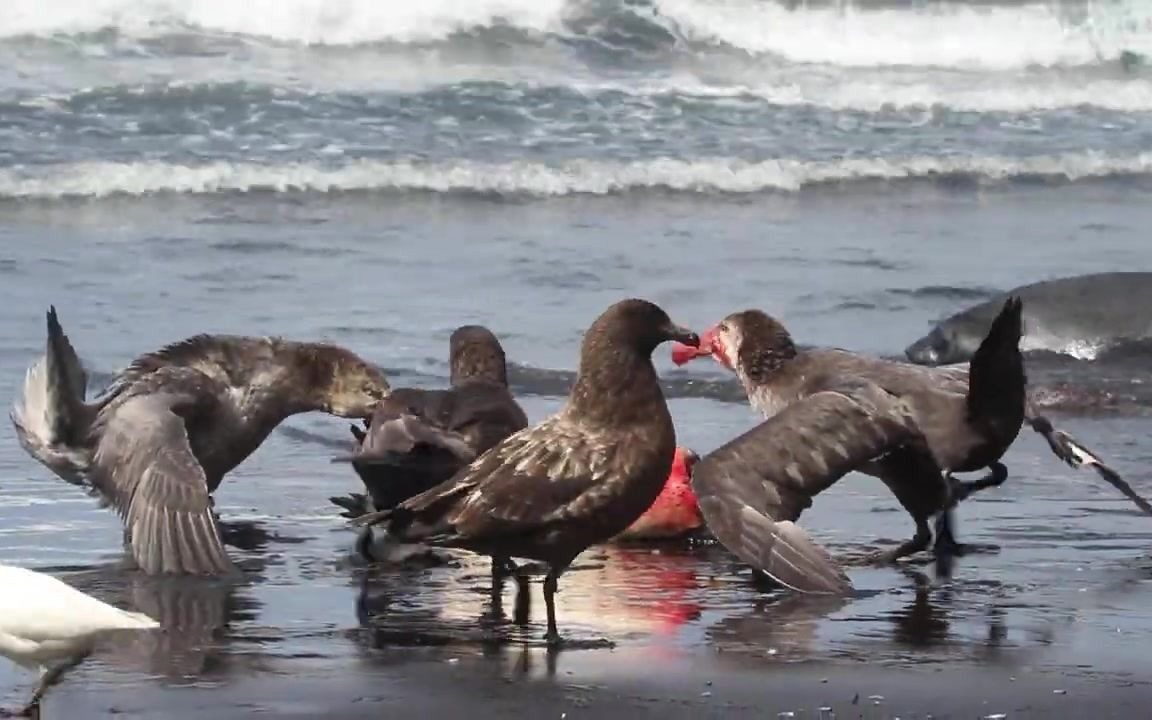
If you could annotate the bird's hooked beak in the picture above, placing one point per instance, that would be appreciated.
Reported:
(683, 336)
(686, 352)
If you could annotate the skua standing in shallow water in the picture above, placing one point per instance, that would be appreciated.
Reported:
(159, 441)
(830, 412)
(575, 479)
(419, 438)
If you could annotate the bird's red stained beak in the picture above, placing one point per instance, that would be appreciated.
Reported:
(682, 353)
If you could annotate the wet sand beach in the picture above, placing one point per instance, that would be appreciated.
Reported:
(377, 174)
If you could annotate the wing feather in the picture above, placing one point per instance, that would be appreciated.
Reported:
(532, 478)
(536, 477)
(753, 488)
(145, 468)
(1077, 455)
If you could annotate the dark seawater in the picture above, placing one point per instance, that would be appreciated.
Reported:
(378, 175)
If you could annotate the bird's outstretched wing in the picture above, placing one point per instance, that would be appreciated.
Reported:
(145, 468)
(553, 472)
(752, 489)
(1073, 452)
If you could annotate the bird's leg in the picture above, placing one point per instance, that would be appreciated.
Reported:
(502, 568)
(552, 637)
(946, 548)
(49, 678)
(918, 542)
(523, 610)
(960, 490)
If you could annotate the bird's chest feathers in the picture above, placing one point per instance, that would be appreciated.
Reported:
(236, 428)
(767, 401)
(645, 461)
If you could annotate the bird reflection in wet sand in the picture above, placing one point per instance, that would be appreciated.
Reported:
(783, 628)
(574, 480)
(411, 607)
(938, 621)
(926, 620)
(625, 589)
(792, 627)
(195, 615)
(921, 623)
(48, 625)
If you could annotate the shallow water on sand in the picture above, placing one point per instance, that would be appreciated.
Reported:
(1067, 596)
(378, 174)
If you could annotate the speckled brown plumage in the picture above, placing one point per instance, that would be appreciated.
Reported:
(419, 438)
(158, 443)
(830, 412)
(579, 477)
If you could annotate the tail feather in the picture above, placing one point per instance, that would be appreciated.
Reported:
(50, 416)
(1077, 455)
(996, 375)
(60, 351)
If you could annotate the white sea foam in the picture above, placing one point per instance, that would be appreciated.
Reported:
(715, 175)
(979, 58)
(309, 21)
(876, 91)
(939, 34)
(942, 35)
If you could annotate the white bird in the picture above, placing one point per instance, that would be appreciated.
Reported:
(48, 625)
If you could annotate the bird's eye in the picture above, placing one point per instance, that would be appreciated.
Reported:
(723, 327)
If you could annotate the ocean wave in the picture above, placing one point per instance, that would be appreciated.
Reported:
(531, 179)
(929, 97)
(955, 35)
(941, 34)
(1016, 94)
(304, 21)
